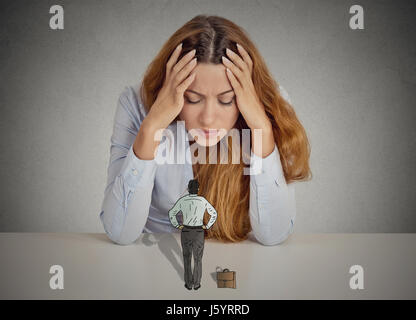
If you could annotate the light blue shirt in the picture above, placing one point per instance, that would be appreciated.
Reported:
(193, 208)
(139, 193)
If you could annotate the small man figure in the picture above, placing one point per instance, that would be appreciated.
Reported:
(193, 208)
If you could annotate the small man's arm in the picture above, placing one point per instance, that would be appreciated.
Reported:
(173, 212)
(213, 213)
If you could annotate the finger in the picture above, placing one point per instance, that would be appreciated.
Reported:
(184, 60)
(184, 72)
(173, 58)
(234, 82)
(235, 58)
(236, 71)
(246, 57)
(185, 84)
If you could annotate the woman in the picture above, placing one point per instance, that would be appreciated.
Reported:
(202, 82)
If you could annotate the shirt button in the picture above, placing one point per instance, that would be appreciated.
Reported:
(135, 172)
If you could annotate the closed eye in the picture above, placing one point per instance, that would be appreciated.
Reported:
(226, 103)
(190, 101)
(221, 102)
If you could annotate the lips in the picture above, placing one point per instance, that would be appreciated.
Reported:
(210, 132)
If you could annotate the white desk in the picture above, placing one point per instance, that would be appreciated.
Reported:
(306, 266)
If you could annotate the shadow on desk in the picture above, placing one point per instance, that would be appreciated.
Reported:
(170, 248)
(166, 243)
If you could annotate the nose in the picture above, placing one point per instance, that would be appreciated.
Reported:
(208, 114)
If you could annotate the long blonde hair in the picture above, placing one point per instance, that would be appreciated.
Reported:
(224, 185)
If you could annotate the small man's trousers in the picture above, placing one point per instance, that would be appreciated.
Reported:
(192, 239)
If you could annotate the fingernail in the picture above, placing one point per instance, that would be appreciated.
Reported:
(179, 46)
(225, 59)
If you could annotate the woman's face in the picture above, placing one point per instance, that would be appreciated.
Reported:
(209, 104)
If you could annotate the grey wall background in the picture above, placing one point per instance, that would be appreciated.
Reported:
(354, 92)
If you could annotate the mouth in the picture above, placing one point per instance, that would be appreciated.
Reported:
(209, 132)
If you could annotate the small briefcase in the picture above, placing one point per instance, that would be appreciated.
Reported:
(225, 278)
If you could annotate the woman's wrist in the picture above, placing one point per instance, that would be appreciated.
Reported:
(145, 144)
(147, 126)
(263, 143)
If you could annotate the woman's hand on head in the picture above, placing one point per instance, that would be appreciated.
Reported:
(170, 100)
(239, 72)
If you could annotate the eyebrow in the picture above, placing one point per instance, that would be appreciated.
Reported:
(200, 94)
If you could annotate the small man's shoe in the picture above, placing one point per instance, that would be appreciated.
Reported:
(197, 287)
(189, 288)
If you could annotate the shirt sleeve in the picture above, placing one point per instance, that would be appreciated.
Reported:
(272, 202)
(212, 212)
(130, 180)
(174, 211)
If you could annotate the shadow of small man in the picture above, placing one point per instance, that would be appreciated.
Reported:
(168, 246)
